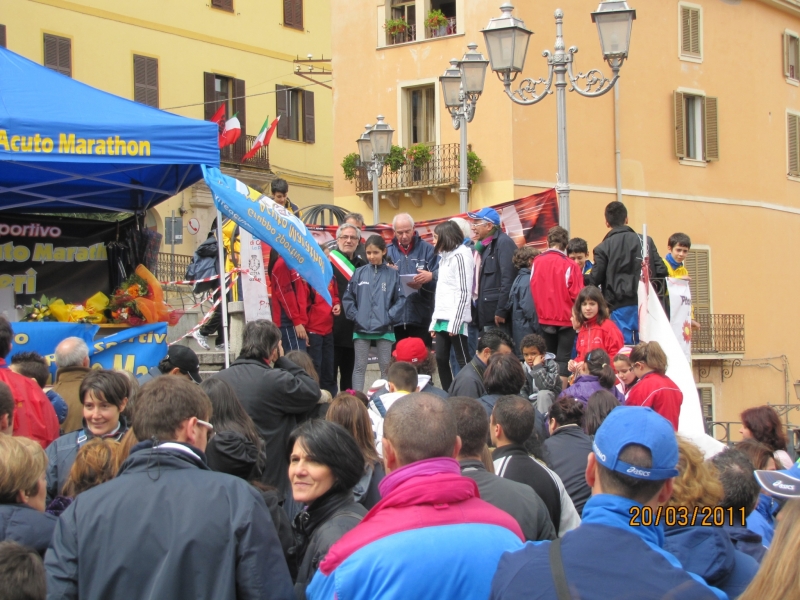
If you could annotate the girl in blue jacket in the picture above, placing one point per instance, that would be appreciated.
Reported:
(374, 302)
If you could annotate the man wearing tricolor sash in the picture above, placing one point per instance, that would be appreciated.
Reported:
(344, 262)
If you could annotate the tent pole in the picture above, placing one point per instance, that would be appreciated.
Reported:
(223, 298)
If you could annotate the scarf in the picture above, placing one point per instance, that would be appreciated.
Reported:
(481, 245)
(673, 263)
(405, 251)
(422, 468)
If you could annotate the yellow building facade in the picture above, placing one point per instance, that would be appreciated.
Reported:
(189, 58)
(708, 140)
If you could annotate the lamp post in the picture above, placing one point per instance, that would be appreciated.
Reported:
(507, 43)
(374, 146)
(462, 85)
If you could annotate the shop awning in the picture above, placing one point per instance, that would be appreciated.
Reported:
(68, 147)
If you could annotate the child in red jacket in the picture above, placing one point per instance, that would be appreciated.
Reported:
(654, 388)
(320, 334)
(289, 305)
(597, 330)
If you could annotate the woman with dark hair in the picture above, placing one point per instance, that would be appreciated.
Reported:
(654, 388)
(600, 404)
(104, 396)
(594, 374)
(325, 464)
(453, 303)
(350, 413)
(504, 376)
(567, 448)
(763, 424)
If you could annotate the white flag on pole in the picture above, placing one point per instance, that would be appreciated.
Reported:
(680, 313)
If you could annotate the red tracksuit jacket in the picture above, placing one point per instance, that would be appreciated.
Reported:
(606, 336)
(556, 280)
(320, 317)
(289, 295)
(660, 393)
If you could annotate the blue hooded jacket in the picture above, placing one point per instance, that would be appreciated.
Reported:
(761, 520)
(709, 552)
(418, 308)
(604, 558)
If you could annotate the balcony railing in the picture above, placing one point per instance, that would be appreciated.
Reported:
(172, 267)
(409, 35)
(719, 334)
(444, 30)
(440, 171)
(233, 154)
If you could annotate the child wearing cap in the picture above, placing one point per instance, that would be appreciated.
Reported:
(412, 350)
(402, 381)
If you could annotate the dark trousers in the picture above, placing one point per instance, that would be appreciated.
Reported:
(290, 339)
(560, 343)
(344, 361)
(402, 332)
(460, 346)
(214, 325)
(320, 349)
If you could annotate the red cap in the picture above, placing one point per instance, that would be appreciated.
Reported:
(410, 350)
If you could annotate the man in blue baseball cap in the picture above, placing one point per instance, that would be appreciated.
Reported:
(617, 551)
(494, 271)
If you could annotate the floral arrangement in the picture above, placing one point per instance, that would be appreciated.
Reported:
(55, 309)
(395, 26)
(435, 19)
(418, 155)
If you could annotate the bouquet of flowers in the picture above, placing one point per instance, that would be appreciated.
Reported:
(139, 300)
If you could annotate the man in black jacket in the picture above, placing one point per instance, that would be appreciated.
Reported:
(517, 499)
(178, 529)
(618, 269)
(469, 381)
(494, 271)
(274, 391)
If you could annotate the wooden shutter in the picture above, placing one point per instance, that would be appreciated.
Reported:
(145, 80)
(293, 13)
(680, 124)
(210, 106)
(282, 106)
(309, 133)
(711, 124)
(793, 126)
(690, 31)
(3, 43)
(786, 54)
(239, 103)
(58, 54)
(223, 4)
(706, 403)
(698, 264)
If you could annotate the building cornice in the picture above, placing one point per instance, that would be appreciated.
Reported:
(790, 6)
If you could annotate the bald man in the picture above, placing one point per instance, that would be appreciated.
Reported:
(72, 360)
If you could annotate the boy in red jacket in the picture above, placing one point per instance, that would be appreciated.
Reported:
(320, 334)
(289, 305)
(556, 281)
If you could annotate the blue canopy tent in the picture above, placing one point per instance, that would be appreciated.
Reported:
(68, 147)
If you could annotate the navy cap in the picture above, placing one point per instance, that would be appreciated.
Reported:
(186, 360)
(486, 214)
(640, 425)
(780, 483)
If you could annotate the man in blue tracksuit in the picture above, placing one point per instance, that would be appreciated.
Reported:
(413, 255)
(613, 553)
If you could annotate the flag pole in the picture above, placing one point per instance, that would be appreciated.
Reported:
(223, 298)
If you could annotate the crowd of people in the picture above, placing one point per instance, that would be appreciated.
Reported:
(547, 464)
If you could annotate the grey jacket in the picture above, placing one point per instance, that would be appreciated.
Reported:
(469, 381)
(522, 310)
(517, 499)
(419, 305)
(567, 450)
(178, 531)
(496, 277)
(27, 526)
(373, 299)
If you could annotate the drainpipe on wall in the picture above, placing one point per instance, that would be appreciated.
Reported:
(617, 156)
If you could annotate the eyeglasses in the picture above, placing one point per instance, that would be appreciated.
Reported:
(208, 426)
(476, 224)
(348, 237)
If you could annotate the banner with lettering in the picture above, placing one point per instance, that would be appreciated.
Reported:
(273, 224)
(55, 256)
(680, 308)
(135, 349)
(254, 286)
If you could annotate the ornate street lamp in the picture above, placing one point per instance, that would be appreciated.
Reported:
(374, 146)
(507, 42)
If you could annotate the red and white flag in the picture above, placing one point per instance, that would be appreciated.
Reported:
(263, 138)
(219, 114)
(231, 133)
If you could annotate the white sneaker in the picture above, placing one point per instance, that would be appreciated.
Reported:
(220, 347)
(201, 340)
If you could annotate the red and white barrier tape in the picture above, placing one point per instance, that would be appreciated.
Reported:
(206, 317)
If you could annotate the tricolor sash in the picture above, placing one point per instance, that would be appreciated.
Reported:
(340, 262)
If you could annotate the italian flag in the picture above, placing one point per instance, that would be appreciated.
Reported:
(231, 133)
(344, 266)
(263, 138)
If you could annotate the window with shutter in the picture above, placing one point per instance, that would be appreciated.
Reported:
(239, 108)
(698, 263)
(706, 394)
(680, 125)
(309, 133)
(58, 54)
(145, 80)
(226, 5)
(3, 43)
(791, 55)
(793, 135)
(281, 102)
(209, 97)
(710, 121)
(293, 14)
(691, 31)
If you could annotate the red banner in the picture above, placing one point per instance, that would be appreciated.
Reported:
(526, 220)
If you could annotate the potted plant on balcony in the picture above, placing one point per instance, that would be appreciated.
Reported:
(474, 166)
(395, 159)
(350, 165)
(396, 28)
(418, 155)
(436, 23)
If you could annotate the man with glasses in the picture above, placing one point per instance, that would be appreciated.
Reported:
(494, 271)
(179, 530)
(345, 261)
(414, 256)
(357, 219)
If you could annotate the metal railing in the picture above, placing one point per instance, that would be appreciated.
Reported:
(409, 35)
(440, 171)
(169, 269)
(444, 30)
(233, 154)
(719, 334)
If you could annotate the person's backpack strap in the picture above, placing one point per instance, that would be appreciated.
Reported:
(379, 405)
(557, 570)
